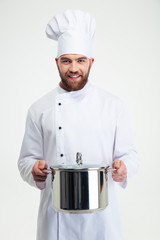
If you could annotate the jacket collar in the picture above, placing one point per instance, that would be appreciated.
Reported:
(73, 94)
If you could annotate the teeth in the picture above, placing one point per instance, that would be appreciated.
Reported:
(74, 76)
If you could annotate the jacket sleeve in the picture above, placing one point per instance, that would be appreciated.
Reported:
(124, 147)
(31, 150)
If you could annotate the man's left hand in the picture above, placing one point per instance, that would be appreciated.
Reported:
(121, 173)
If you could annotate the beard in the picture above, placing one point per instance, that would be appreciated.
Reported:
(73, 85)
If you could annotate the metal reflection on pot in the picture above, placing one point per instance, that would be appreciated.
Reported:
(80, 188)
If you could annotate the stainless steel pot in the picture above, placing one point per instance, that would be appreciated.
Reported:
(80, 188)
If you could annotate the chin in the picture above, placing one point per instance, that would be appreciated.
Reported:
(74, 86)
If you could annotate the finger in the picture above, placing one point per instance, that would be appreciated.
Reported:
(42, 164)
(39, 165)
(120, 166)
(116, 164)
(119, 179)
(122, 170)
(38, 178)
(38, 175)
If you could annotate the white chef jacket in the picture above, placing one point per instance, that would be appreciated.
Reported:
(93, 122)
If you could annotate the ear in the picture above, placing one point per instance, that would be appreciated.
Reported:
(91, 62)
(56, 59)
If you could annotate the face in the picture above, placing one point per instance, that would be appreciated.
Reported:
(74, 71)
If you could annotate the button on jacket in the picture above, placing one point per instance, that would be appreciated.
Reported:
(60, 124)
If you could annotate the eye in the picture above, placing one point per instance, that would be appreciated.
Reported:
(81, 60)
(65, 61)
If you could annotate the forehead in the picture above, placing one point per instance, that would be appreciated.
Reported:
(73, 56)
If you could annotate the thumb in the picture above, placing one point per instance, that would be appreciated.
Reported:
(42, 164)
(116, 163)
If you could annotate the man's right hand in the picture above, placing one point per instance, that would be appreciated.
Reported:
(37, 173)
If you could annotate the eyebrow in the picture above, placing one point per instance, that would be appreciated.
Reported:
(65, 58)
(81, 58)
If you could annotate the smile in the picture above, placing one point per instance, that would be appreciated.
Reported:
(74, 77)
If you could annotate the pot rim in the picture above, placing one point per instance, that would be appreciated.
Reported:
(78, 168)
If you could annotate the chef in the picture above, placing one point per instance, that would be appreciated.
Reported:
(77, 117)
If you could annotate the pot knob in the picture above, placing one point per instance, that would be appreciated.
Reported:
(79, 158)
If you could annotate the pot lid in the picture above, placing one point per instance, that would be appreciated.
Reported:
(78, 167)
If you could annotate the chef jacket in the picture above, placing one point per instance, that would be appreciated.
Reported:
(60, 124)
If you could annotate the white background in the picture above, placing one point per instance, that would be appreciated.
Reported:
(127, 62)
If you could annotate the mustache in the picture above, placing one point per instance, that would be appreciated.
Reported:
(75, 73)
(70, 74)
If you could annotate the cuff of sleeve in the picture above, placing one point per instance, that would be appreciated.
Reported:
(41, 185)
(123, 184)
(25, 169)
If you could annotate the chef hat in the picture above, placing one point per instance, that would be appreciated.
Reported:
(74, 31)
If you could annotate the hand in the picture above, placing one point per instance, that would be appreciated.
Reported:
(121, 173)
(37, 173)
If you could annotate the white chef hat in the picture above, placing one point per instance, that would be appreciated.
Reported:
(74, 30)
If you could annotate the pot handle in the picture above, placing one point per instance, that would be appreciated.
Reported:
(107, 170)
(48, 170)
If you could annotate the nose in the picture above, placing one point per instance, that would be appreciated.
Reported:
(73, 67)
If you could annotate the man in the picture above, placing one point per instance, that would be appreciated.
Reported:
(77, 116)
